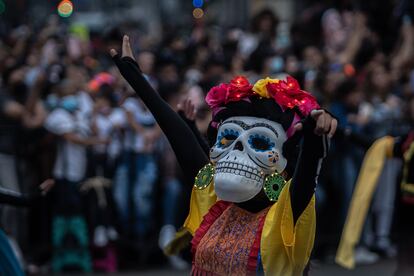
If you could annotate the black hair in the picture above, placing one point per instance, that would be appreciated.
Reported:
(258, 57)
(106, 91)
(255, 107)
(345, 88)
(255, 23)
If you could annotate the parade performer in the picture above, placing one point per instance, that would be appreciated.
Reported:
(384, 148)
(252, 208)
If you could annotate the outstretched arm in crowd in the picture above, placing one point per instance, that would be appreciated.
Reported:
(190, 155)
(32, 114)
(359, 31)
(404, 54)
(317, 129)
(17, 199)
(76, 139)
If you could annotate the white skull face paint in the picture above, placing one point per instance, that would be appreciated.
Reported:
(247, 149)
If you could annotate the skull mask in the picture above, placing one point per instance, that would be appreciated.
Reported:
(247, 149)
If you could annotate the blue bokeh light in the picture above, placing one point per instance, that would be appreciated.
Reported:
(198, 3)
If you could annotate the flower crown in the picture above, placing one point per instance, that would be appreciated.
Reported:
(286, 93)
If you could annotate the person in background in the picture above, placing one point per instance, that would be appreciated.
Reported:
(106, 122)
(172, 183)
(136, 176)
(69, 170)
(351, 111)
(20, 112)
(9, 263)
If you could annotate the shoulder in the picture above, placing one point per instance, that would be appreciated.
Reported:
(59, 122)
(131, 104)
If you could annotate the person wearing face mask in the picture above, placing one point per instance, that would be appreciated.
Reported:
(252, 205)
(106, 123)
(74, 137)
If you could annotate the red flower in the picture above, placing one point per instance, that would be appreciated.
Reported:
(240, 83)
(217, 95)
(239, 88)
(222, 94)
(288, 94)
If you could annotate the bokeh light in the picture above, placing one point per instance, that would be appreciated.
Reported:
(198, 13)
(65, 8)
(198, 3)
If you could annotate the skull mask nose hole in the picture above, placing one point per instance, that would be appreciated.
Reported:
(238, 146)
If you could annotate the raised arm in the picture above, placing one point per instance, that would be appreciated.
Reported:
(317, 129)
(190, 155)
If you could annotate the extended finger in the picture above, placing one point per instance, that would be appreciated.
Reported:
(126, 47)
(191, 110)
(298, 127)
(186, 109)
(316, 113)
(334, 125)
(320, 123)
(327, 125)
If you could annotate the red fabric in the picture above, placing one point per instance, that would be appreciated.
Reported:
(254, 252)
(195, 271)
(214, 212)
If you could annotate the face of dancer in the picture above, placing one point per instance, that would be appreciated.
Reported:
(247, 149)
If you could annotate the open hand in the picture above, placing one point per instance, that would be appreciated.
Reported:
(188, 108)
(325, 123)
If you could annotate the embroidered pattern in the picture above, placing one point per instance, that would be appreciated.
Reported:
(226, 246)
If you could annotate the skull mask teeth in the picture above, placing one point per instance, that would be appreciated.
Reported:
(246, 150)
(238, 169)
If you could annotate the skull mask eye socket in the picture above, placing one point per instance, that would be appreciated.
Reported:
(260, 143)
(240, 170)
(226, 138)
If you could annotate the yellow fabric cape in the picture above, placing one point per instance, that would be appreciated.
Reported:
(285, 247)
(361, 199)
(406, 186)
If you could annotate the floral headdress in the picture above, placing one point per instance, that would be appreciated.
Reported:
(286, 93)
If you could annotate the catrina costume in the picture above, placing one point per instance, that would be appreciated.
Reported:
(371, 170)
(252, 207)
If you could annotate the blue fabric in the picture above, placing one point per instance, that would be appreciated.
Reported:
(143, 192)
(8, 262)
(259, 270)
(136, 177)
(121, 188)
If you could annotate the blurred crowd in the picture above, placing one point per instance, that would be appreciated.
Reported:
(66, 114)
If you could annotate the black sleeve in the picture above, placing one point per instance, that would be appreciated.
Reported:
(401, 143)
(313, 149)
(16, 199)
(190, 155)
